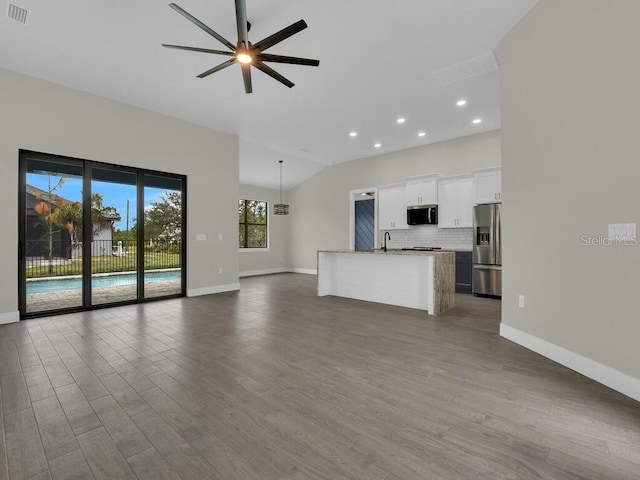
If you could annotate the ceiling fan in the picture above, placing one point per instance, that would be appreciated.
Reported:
(244, 52)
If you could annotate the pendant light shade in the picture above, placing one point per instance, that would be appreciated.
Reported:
(280, 208)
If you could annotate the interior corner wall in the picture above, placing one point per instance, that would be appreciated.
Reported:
(45, 117)
(271, 260)
(570, 107)
(319, 218)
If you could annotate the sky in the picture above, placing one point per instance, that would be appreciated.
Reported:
(114, 195)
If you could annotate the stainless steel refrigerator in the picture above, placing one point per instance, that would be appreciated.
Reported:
(487, 250)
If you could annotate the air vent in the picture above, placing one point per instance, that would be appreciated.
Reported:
(19, 14)
(475, 66)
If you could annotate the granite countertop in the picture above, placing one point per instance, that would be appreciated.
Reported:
(390, 252)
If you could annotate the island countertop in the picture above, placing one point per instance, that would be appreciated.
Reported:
(407, 278)
(390, 251)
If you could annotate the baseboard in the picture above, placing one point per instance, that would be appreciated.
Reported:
(9, 317)
(307, 271)
(196, 292)
(268, 271)
(619, 381)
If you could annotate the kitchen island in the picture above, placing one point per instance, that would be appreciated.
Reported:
(413, 279)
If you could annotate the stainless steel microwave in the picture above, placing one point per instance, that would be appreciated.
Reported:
(422, 215)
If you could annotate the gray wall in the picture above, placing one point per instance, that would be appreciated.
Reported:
(319, 217)
(274, 259)
(42, 116)
(570, 105)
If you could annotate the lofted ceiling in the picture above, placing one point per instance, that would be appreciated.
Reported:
(377, 60)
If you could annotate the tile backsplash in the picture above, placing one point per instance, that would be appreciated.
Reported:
(429, 236)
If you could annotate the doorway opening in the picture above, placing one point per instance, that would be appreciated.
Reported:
(363, 234)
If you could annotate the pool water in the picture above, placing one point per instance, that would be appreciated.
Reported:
(62, 284)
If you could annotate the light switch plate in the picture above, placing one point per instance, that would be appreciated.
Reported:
(201, 237)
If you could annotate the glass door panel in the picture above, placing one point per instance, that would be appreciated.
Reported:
(163, 236)
(50, 234)
(113, 236)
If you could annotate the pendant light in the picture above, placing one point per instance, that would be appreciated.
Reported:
(280, 208)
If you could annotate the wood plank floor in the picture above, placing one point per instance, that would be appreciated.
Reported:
(273, 382)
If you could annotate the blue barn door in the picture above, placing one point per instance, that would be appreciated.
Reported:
(364, 224)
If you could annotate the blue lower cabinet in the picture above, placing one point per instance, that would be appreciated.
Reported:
(464, 272)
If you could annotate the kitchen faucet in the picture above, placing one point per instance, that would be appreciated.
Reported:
(386, 234)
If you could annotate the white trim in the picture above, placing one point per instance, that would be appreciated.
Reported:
(196, 292)
(9, 317)
(269, 271)
(308, 271)
(256, 249)
(608, 376)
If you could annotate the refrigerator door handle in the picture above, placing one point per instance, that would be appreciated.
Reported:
(487, 267)
(497, 238)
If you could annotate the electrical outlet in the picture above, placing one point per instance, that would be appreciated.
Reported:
(220, 270)
(521, 301)
(220, 237)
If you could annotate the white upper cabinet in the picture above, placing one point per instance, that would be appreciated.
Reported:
(455, 202)
(422, 190)
(392, 207)
(487, 185)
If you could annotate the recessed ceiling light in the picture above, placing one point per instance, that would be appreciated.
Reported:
(353, 134)
(422, 134)
(401, 120)
(461, 103)
(476, 121)
(377, 145)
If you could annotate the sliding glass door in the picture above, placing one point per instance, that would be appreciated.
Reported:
(163, 227)
(51, 205)
(93, 234)
(113, 254)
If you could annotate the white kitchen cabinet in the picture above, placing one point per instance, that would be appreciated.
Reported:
(487, 185)
(422, 190)
(455, 202)
(392, 209)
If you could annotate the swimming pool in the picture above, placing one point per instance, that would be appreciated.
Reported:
(62, 284)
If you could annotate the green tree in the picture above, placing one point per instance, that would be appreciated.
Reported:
(48, 209)
(57, 214)
(101, 215)
(163, 220)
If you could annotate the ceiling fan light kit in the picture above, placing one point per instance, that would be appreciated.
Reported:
(244, 52)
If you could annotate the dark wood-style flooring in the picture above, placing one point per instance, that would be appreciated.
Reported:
(273, 382)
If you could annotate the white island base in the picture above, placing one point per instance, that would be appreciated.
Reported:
(422, 280)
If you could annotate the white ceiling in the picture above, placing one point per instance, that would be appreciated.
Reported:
(376, 64)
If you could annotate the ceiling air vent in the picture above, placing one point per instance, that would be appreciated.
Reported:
(483, 63)
(19, 14)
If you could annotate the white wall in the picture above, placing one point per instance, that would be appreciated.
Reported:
(273, 259)
(570, 107)
(319, 217)
(45, 117)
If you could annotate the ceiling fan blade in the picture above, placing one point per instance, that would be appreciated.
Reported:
(241, 21)
(197, 49)
(273, 74)
(198, 23)
(215, 69)
(246, 76)
(266, 57)
(278, 37)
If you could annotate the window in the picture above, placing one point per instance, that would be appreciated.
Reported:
(253, 223)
